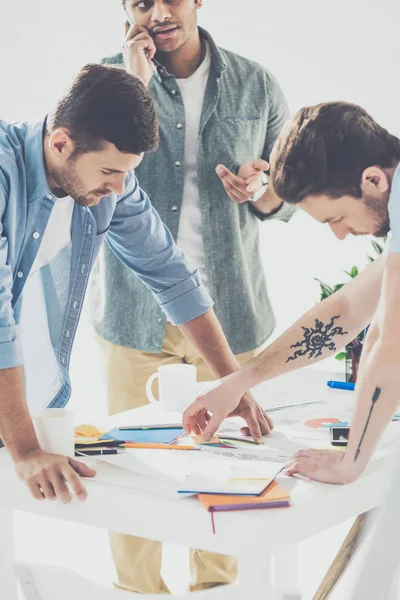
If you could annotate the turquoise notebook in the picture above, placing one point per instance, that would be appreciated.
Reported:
(144, 436)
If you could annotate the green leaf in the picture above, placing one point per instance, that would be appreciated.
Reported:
(341, 356)
(338, 287)
(354, 272)
(377, 247)
(371, 259)
(326, 290)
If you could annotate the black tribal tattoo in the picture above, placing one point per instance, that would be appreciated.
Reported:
(315, 340)
(375, 398)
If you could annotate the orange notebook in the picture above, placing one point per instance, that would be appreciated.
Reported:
(273, 497)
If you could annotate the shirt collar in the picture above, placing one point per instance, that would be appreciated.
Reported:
(217, 60)
(34, 160)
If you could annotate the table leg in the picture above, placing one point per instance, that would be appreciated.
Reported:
(393, 591)
(286, 573)
(254, 569)
(8, 578)
(343, 558)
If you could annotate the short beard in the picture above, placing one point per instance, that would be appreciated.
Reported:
(380, 211)
(67, 181)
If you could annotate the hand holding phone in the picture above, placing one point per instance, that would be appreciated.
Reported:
(139, 50)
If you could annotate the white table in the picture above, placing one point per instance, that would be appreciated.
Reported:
(255, 537)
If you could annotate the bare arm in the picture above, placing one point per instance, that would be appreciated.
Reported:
(207, 336)
(16, 429)
(318, 334)
(377, 395)
(44, 474)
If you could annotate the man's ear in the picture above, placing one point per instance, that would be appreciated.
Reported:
(61, 142)
(373, 180)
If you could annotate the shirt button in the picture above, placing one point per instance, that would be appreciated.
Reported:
(179, 126)
(173, 92)
(36, 235)
(177, 163)
(174, 208)
(75, 304)
(20, 274)
(49, 197)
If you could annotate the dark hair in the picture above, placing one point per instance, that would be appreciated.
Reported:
(325, 148)
(105, 103)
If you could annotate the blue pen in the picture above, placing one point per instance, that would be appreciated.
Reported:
(341, 385)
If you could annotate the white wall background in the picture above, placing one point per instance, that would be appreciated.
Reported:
(319, 51)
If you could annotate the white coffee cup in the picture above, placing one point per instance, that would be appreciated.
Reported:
(176, 384)
(55, 430)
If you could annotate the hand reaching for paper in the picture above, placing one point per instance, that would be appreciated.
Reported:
(208, 411)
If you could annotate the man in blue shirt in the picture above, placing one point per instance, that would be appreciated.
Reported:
(66, 185)
(338, 164)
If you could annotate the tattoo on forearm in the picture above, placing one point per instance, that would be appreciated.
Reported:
(317, 339)
(375, 397)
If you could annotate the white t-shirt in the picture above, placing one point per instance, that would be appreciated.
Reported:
(57, 234)
(190, 238)
(42, 377)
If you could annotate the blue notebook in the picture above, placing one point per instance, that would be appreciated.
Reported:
(144, 436)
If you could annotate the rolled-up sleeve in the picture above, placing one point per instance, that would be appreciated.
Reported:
(10, 348)
(141, 240)
(278, 113)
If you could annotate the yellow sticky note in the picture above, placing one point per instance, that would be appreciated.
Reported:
(88, 431)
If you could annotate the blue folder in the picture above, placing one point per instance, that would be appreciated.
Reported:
(144, 436)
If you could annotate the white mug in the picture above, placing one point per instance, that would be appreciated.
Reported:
(176, 384)
(55, 431)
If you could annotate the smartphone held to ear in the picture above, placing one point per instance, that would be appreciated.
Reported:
(128, 16)
(339, 435)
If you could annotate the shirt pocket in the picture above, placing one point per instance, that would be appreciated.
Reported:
(237, 139)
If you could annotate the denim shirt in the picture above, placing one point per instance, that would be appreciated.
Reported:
(128, 222)
(242, 115)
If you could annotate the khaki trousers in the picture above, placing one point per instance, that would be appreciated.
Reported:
(138, 560)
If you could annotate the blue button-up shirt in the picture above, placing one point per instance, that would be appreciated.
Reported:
(129, 224)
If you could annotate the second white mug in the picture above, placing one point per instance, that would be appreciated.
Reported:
(176, 384)
(55, 430)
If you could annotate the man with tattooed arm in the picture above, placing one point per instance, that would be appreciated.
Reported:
(336, 163)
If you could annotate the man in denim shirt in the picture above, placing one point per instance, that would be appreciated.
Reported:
(66, 184)
(219, 117)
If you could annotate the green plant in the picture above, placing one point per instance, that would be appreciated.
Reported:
(327, 290)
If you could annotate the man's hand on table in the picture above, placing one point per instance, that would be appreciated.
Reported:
(208, 411)
(327, 466)
(47, 475)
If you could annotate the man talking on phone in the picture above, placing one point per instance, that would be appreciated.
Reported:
(219, 115)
